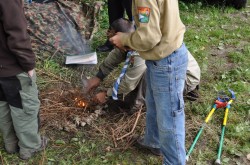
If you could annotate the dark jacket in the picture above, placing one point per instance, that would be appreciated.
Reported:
(16, 55)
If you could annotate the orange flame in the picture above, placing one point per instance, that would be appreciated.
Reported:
(79, 102)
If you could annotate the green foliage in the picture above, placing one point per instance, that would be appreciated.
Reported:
(219, 40)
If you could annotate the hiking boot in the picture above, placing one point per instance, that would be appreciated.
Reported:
(106, 47)
(154, 151)
(193, 95)
(25, 155)
(11, 148)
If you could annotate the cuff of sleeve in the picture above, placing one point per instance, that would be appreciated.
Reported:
(100, 75)
(28, 68)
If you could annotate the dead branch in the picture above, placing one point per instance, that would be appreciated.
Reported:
(113, 137)
(137, 118)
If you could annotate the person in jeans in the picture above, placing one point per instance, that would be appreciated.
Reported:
(133, 85)
(19, 103)
(132, 89)
(159, 40)
(116, 10)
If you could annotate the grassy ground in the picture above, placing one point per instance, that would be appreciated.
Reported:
(219, 40)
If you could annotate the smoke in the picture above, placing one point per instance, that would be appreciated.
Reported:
(77, 44)
(72, 36)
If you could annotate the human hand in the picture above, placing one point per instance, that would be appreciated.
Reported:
(116, 40)
(89, 84)
(100, 97)
(31, 72)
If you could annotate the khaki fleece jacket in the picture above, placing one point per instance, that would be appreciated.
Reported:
(160, 30)
(16, 55)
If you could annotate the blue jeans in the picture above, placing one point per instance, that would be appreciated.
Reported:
(165, 120)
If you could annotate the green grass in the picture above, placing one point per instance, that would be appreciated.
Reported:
(219, 40)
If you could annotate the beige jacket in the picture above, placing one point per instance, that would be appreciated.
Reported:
(160, 30)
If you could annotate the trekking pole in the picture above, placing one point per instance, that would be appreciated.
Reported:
(200, 131)
(223, 128)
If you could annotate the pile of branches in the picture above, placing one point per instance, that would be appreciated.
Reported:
(120, 128)
(62, 109)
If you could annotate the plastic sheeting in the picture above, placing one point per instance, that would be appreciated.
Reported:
(61, 26)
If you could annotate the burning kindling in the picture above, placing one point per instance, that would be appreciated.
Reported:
(79, 102)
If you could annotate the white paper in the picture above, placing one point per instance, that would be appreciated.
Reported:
(90, 58)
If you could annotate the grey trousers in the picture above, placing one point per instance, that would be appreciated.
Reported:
(19, 126)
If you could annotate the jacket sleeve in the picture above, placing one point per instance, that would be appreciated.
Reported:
(18, 40)
(147, 34)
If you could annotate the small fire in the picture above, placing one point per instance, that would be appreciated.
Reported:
(79, 102)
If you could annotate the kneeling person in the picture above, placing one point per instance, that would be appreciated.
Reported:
(133, 85)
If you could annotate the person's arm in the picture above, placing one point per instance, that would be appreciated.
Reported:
(18, 40)
(148, 32)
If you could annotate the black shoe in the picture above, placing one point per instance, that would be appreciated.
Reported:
(104, 48)
(154, 151)
(115, 105)
(193, 95)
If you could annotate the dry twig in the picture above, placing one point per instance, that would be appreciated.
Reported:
(52, 75)
(113, 137)
(137, 118)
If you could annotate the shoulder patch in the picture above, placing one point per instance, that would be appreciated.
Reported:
(144, 13)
